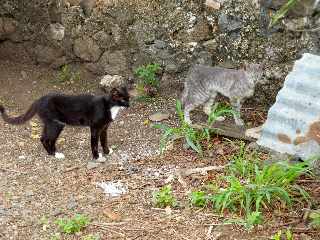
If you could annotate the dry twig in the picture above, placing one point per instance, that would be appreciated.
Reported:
(11, 170)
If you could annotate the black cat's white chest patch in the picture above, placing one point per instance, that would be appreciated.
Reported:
(114, 111)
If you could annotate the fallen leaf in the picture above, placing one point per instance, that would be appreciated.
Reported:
(111, 214)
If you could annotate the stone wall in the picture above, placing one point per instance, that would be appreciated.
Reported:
(116, 36)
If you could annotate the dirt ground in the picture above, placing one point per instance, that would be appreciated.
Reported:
(34, 187)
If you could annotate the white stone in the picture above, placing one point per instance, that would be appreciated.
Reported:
(57, 31)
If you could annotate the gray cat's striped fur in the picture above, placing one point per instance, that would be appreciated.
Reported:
(203, 83)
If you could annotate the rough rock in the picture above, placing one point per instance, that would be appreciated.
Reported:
(46, 54)
(92, 165)
(87, 6)
(114, 63)
(159, 116)
(56, 31)
(175, 34)
(86, 49)
(229, 23)
(213, 4)
(111, 81)
(8, 26)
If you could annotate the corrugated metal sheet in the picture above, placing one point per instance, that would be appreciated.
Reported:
(293, 123)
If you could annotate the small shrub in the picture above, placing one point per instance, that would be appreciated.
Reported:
(278, 235)
(56, 236)
(193, 136)
(74, 224)
(184, 130)
(282, 12)
(265, 186)
(198, 199)
(90, 237)
(67, 75)
(315, 219)
(250, 186)
(148, 83)
(164, 197)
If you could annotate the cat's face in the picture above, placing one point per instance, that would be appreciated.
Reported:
(120, 96)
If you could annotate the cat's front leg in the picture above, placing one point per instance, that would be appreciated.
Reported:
(187, 110)
(104, 141)
(236, 104)
(207, 107)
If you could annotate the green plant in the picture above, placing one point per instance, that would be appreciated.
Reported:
(184, 130)
(90, 237)
(67, 75)
(56, 236)
(278, 235)
(147, 75)
(243, 162)
(263, 186)
(218, 110)
(250, 220)
(74, 224)
(315, 219)
(282, 12)
(198, 199)
(164, 197)
(192, 135)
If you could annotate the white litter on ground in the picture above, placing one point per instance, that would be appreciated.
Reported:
(114, 189)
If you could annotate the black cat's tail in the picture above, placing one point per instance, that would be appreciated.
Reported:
(22, 118)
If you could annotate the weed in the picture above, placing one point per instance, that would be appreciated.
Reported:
(164, 197)
(74, 224)
(67, 75)
(193, 136)
(219, 110)
(250, 186)
(198, 199)
(44, 221)
(251, 219)
(184, 130)
(315, 219)
(148, 83)
(243, 162)
(90, 237)
(278, 235)
(265, 186)
(282, 12)
(56, 236)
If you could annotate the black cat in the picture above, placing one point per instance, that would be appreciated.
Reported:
(57, 110)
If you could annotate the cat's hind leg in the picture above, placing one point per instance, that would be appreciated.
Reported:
(236, 104)
(187, 109)
(104, 141)
(50, 134)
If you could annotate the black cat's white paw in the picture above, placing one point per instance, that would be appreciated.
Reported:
(59, 155)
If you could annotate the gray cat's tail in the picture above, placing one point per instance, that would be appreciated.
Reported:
(22, 118)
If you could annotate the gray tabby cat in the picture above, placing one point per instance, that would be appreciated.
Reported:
(203, 83)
